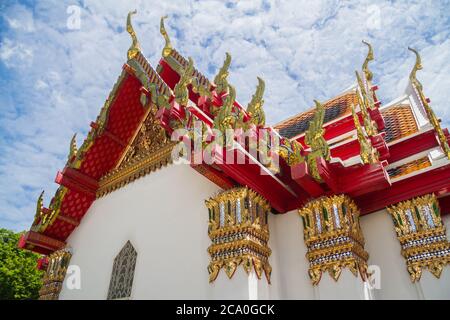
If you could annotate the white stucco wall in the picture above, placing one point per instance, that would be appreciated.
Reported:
(290, 277)
(384, 250)
(164, 216)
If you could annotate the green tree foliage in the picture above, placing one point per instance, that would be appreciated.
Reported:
(19, 277)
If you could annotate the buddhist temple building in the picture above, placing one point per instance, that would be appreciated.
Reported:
(181, 192)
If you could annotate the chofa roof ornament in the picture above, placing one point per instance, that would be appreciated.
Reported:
(365, 67)
(430, 113)
(135, 48)
(168, 46)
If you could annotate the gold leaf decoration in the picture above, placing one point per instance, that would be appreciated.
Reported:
(421, 234)
(315, 140)
(333, 237)
(135, 47)
(54, 276)
(239, 233)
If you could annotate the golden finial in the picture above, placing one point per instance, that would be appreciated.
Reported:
(255, 107)
(135, 47)
(181, 91)
(430, 113)
(39, 204)
(221, 78)
(168, 46)
(417, 66)
(365, 68)
(73, 147)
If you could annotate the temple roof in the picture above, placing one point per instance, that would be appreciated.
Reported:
(130, 139)
(335, 108)
(399, 122)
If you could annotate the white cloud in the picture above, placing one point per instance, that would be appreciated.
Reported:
(56, 79)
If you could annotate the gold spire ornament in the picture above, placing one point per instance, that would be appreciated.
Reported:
(367, 152)
(39, 205)
(430, 113)
(220, 80)
(73, 147)
(365, 67)
(167, 50)
(135, 48)
(315, 140)
(417, 66)
(255, 107)
(181, 91)
(54, 276)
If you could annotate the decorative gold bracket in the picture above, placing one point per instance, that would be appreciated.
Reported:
(368, 154)
(315, 140)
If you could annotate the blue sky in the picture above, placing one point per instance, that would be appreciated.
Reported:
(54, 78)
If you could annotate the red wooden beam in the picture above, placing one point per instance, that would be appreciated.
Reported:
(434, 181)
(39, 243)
(412, 146)
(77, 181)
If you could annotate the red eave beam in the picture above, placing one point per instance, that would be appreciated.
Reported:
(39, 243)
(412, 146)
(77, 181)
(434, 181)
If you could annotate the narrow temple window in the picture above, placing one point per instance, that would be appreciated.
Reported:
(123, 273)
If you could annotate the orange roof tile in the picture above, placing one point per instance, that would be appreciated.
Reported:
(334, 108)
(409, 167)
(399, 122)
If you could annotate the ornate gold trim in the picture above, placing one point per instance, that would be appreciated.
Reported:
(315, 140)
(168, 46)
(422, 235)
(333, 237)
(54, 276)
(239, 233)
(135, 47)
(140, 167)
(365, 103)
(367, 152)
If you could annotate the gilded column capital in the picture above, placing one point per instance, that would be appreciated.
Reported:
(421, 234)
(239, 233)
(333, 237)
(58, 262)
